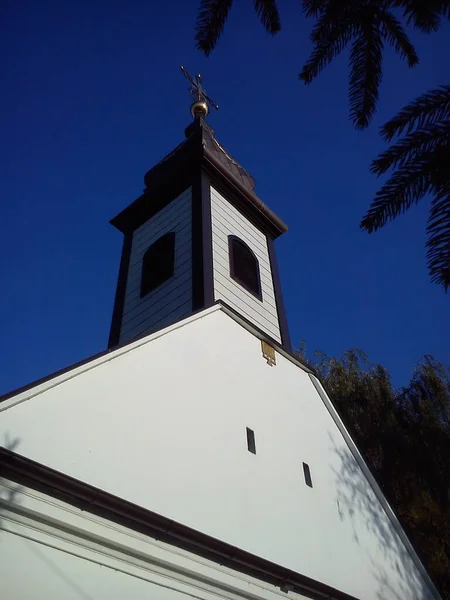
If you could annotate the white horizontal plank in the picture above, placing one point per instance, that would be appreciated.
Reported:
(268, 300)
(133, 329)
(182, 238)
(135, 274)
(175, 204)
(164, 293)
(134, 293)
(220, 246)
(172, 211)
(221, 236)
(135, 302)
(237, 295)
(240, 226)
(155, 231)
(225, 230)
(260, 320)
(236, 215)
(223, 264)
(180, 313)
(149, 320)
(268, 312)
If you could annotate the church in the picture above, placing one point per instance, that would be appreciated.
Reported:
(197, 456)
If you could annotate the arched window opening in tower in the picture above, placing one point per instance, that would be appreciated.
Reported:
(244, 266)
(158, 264)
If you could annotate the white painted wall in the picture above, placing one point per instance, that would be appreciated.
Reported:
(227, 220)
(173, 299)
(162, 423)
(52, 551)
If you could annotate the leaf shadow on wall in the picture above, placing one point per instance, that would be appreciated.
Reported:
(8, 491)
(392, 566)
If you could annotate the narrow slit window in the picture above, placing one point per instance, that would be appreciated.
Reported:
(158, 264)
(251, 441)
(244, 266)
(307, 474)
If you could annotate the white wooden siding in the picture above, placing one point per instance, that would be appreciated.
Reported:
(227, 220)
(173, 299)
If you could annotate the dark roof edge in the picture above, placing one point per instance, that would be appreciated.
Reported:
(80, 363)
(228, 309)
(275, 221)
(29, 473)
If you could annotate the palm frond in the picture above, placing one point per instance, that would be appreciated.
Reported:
(326, 51)
(404, 188)
(336, 15)
(313, 8)
(444, 8)
(427, 109)
(210, 23)
(393, 31)
(366, 58)
(424, 15)
(438, 244)
(267, 12)
(412, 146)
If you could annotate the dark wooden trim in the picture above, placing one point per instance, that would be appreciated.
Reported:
(119, 300)
(236, 278)
(41, 380)
(165, 182)
(31, 474)
(202, 259)
(85, 361)
(198, 295)
(282, 319)
(246, 197)
(208, 270)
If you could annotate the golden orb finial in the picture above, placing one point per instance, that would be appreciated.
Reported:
(199, 109)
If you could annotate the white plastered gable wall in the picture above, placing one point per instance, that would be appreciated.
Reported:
(162, 422)
(68, 554)
(227, 220)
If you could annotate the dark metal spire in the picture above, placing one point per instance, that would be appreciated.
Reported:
(199, 108)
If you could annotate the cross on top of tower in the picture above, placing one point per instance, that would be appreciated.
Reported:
(199, 108)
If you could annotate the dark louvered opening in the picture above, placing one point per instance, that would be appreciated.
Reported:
(251, 444)
(307, 474)
(158, 263)
(244, 266)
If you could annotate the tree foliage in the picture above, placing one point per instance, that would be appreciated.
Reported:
(404, 436)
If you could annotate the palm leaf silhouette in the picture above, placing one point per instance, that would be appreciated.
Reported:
(213, 14)
(369, 24)
(421, 167)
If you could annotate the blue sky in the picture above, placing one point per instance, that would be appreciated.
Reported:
(92, 97)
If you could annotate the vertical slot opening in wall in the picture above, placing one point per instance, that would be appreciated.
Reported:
(251, 441)
(307, 474)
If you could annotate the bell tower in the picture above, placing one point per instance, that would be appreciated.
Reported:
(197, 235)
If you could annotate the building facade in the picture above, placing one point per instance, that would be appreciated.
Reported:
(196, 456)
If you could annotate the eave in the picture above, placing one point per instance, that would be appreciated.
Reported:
(29, 473)
(177, 172)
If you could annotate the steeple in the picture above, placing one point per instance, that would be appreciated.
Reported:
(196, 236)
